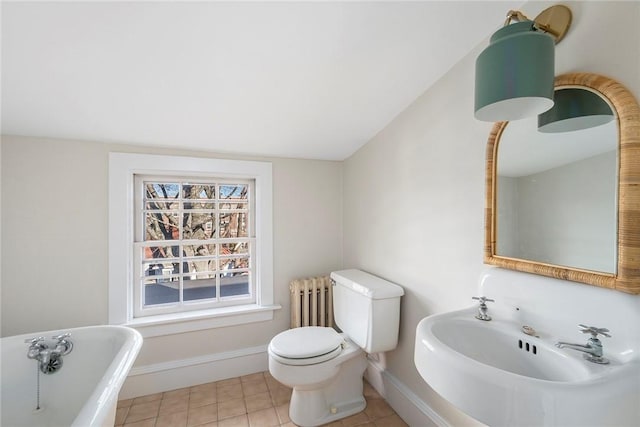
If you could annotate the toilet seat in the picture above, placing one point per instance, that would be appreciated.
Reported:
(306, 346)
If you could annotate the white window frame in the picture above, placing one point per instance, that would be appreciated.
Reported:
(122, 169)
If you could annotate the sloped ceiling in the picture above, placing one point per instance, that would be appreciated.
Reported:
(297, 79)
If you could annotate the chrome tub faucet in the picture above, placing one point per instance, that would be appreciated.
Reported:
(49, 357)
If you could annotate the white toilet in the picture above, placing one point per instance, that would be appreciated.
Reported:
(324, 367)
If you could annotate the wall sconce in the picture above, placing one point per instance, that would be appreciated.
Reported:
(574, 109)
(515, 73)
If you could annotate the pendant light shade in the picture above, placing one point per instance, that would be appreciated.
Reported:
(515, 74)
(575, 109)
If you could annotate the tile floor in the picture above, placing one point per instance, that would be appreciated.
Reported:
(256, 400)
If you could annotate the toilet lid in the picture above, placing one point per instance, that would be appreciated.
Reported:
(305, 342)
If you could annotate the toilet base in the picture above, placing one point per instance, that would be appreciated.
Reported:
(338, 398)
(309, 408)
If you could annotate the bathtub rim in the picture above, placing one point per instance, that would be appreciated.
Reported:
(99, 407)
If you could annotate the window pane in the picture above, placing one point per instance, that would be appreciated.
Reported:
(162, 293)
(160, 252)
(234, 263)
(198, 191)
(234, 191)
(160, 283)
(238, 206)
(234, 284)
(161, 226)
(203, 250)
(162, 205)
(198, 204)
(198, 225)
(160, 272)
(162, 196)
(199, 289)
(191, 268)
(234, 248)
(168, 190)
(233, 225)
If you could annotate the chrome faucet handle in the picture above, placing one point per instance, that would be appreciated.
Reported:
(594, 331)
(483, 299)
(64, 345)
(36, 346)
(482, 308)
(61, 336)
(34, 340)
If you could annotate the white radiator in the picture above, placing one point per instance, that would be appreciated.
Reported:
(311, 302)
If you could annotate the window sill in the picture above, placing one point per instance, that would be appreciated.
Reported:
(176, 323)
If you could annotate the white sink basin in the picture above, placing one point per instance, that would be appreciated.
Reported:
(503, 377)
(504, 346)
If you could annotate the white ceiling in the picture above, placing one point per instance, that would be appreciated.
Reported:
(295, 79)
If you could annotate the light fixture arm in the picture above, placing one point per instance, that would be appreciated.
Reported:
(515, 15)
(555, 20)
(546, 29)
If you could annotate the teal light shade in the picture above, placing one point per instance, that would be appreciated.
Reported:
(515, 74)
(575, 109)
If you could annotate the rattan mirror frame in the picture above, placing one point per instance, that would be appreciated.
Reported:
(627, 276)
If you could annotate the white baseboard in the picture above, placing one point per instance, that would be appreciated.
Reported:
(413, 410)
(159, 377)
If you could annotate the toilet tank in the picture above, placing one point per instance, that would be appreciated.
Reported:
(367, 309)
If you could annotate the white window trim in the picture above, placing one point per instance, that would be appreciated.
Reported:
(122, 168)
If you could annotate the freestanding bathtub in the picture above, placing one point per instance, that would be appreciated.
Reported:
(83, 393)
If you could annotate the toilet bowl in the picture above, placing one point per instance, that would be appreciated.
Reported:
(325, 368)
(327, 385)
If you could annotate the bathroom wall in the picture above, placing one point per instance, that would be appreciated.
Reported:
(55, 241)
(414, 195)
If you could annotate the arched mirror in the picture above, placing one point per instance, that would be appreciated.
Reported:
(563, 193)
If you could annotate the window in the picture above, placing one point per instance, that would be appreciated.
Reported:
(194, 243)
(190, 242)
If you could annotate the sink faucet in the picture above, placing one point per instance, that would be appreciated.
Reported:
(593, 349)
(482, 309)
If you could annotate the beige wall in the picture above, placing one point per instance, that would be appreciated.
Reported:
(414, 195)
(55, 249)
